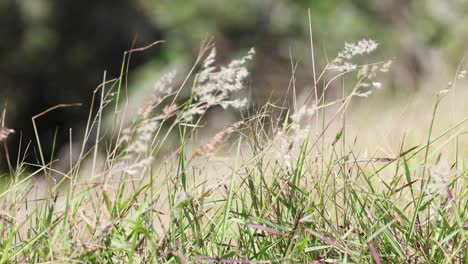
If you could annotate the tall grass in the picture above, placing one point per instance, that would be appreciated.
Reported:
(270, 188)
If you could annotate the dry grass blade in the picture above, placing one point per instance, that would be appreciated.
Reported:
(223, 260)
(374, 254)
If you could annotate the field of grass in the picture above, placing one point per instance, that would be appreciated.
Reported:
(287, 183)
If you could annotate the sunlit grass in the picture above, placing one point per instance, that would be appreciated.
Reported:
(274, 187)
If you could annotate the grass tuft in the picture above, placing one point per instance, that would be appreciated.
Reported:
(277, 186)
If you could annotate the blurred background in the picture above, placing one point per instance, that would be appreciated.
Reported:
(55, 51)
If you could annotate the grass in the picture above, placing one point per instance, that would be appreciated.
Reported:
(271, 188)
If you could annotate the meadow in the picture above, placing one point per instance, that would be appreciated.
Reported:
(311, 179)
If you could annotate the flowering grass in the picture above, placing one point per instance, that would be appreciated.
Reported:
(283, 184)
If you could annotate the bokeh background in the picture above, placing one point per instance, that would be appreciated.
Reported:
(55, 51)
